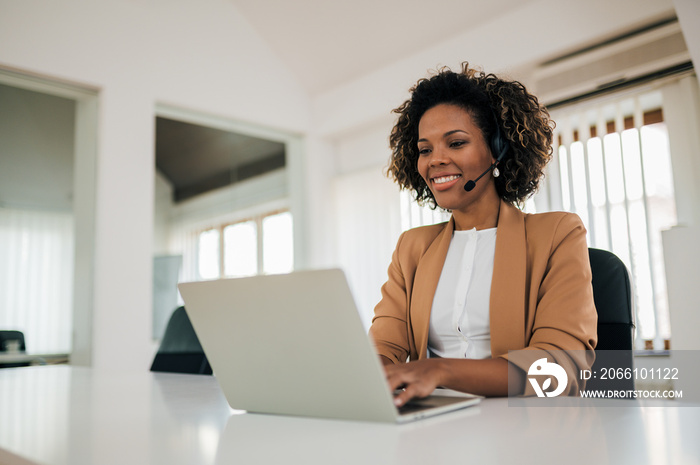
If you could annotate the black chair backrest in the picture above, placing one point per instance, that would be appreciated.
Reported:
(180, 350)
(612, 293)
(12, 339)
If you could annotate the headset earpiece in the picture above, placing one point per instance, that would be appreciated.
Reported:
(499, 149)
(499, 145)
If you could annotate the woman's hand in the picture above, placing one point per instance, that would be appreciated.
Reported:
(416, 379)
(488, 377)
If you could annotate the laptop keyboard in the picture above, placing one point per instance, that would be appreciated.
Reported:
(433, 401)
(415, 405)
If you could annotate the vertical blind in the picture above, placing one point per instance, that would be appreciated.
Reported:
(36, 277)
(612, 167)
(414, 215)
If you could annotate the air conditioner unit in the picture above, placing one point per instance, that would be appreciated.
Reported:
(615, 62)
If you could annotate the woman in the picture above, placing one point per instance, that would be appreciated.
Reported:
(461, 294)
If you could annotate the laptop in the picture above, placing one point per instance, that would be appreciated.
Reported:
(294, 344)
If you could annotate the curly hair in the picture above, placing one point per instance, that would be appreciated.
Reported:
(496, 106)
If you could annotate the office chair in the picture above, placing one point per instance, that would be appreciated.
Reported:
(612, 293)
(180, 350)
(12, 341)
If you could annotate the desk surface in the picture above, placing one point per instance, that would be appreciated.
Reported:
(24, 357)
(68, 415)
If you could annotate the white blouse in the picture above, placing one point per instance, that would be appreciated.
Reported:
(459, 319)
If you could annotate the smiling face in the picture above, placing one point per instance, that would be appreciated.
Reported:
(452, 150)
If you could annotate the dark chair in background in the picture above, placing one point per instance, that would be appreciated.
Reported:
(180, 350)
(12, 341)
(612, 293)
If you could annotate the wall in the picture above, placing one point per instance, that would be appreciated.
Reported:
(195, 55)
(161, 213)
(681, 248)
(367, 214)
(688, 12)
(36, 156)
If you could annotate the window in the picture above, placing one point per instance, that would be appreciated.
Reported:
(614, 171)
(260, 245)
(278, 246)
(241, 249)
(209, 254)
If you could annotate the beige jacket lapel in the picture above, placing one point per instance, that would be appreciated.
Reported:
(507, 307)
(426, 281)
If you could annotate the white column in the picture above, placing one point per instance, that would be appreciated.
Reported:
(319, 172)
(84, 190)
(681, 246)
(124, 228)
(681, 107)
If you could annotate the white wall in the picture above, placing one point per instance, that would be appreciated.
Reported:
(199, 55)
(681, 248)
(245, 199)
(367, 213)
(195, 55)
(688, 12)
(368, 225)
(36, 157)
(163, 203)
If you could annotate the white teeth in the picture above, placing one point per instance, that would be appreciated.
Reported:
(445, 179)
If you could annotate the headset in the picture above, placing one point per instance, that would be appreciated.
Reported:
(499, 147)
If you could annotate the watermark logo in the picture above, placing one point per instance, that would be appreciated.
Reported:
(543, 367)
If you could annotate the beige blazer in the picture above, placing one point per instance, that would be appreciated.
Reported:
(541, 296)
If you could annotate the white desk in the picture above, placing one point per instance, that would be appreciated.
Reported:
(37, 359)
(67, 415)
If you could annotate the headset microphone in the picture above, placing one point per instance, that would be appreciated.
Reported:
(471, 183)
(498, 145)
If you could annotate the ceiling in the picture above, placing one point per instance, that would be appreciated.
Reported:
(196, 159)
(327, 43)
